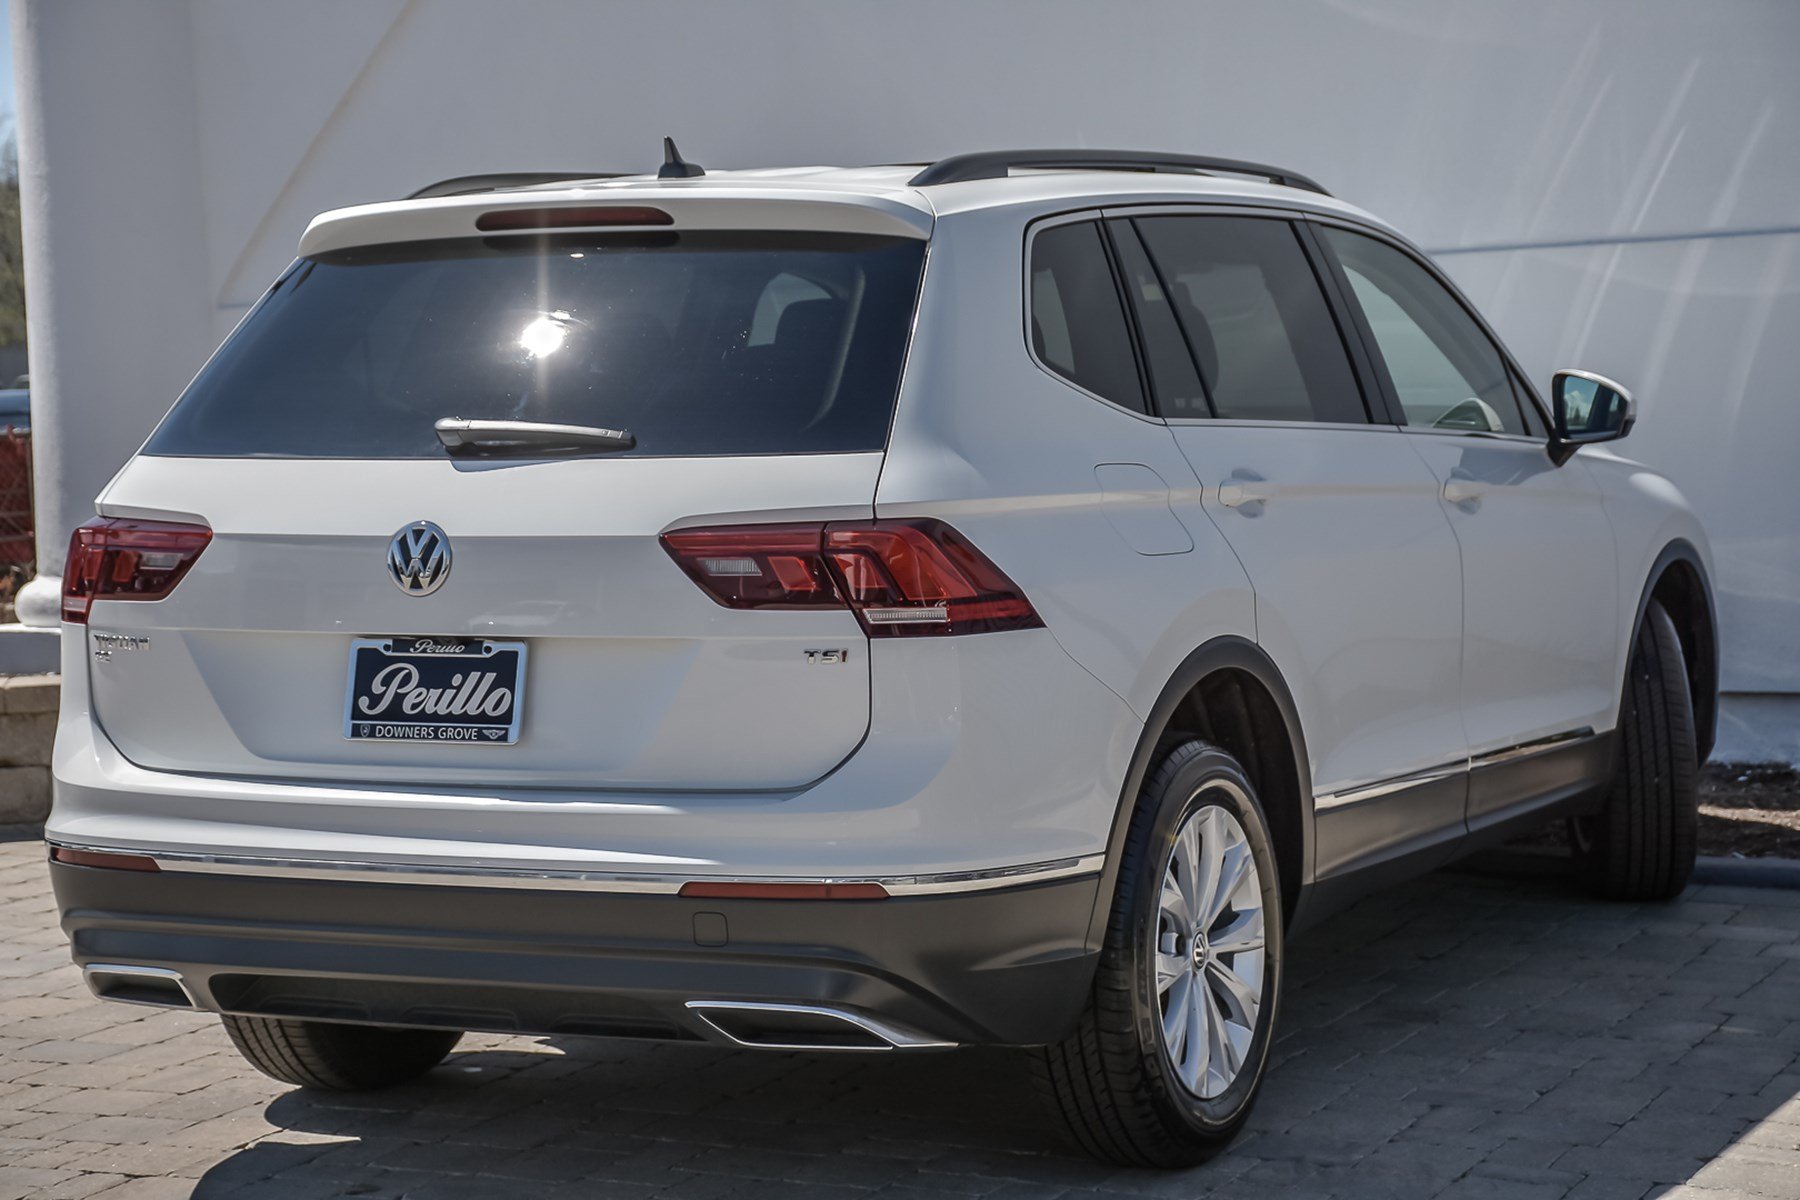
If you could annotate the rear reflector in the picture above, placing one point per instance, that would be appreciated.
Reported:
(97, 858)
(902, 578)
(508, 219)
(116, 558)
(697, 890)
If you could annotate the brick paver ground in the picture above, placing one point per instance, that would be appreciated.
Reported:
(1463, 1036)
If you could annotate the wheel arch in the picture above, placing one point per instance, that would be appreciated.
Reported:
(1678, 581)
(1229, 692)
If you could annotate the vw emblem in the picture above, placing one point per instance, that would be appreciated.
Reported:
(418, 558)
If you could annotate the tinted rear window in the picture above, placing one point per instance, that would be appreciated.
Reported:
(698, 343)
(1255, 317)
(1077, 321)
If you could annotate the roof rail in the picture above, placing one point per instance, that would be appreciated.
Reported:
(994, 164)
(467, 185)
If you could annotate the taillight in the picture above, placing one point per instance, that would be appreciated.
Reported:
(906, 578)
(118, 558)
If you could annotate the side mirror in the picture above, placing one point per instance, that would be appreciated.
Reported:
(1587, 408)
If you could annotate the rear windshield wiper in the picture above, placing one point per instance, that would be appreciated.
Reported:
(462, 435)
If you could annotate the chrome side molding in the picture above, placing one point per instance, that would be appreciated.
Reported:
(1326, 801)
(1387, 787)
(1531, 749)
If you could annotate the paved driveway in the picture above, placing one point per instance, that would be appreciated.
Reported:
(1465, 1036)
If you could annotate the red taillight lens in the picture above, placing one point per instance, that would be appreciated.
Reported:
(116, 558)
(901, 578)
(507, 219)
(99, 858)
(757, 566)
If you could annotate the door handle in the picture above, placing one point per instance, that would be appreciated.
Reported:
(1244, 488)
(1463, 491)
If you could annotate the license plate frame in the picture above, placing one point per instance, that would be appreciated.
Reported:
(374, 704)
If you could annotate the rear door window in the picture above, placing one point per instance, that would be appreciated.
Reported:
(1252, 312)
(1168, 355)
(1078, 328)
(696, 342)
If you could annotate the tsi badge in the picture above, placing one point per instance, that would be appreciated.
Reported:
(106, 645)
(817, 657)
(418, 558)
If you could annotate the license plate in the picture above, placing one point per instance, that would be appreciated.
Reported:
(433, 689)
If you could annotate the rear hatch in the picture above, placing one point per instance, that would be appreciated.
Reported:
(355, 560)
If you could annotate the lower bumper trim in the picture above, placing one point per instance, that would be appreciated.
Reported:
(569, 879)
(1007, 966)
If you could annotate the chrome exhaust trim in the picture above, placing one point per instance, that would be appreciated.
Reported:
(155, 987)
(880, 1034)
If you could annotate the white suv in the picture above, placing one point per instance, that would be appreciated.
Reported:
(876, 609)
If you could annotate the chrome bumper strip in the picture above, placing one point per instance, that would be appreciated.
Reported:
(562, 879)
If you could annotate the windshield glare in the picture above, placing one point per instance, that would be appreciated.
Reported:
(697, 343)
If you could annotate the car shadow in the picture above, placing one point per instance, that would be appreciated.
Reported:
(1488, 1027)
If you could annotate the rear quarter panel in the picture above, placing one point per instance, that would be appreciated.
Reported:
(986, 439)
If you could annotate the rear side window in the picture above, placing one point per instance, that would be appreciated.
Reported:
(1446, 372)
(698, 343)
(1253, 313)
(1077, 322)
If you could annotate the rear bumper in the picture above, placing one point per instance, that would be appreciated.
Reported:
(984, 754)
(998, 966)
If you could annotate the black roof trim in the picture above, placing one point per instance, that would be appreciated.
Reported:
(995, 164)
(468, 185)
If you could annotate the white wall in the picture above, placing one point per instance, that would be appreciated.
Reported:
(1616, 182)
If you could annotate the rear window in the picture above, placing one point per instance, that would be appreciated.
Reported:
(698, 343)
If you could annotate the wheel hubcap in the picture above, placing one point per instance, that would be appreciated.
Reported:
(1210, 954)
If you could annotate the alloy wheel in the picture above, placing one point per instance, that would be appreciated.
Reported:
(1210, 954)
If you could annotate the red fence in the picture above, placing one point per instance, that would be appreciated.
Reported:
(18, 543)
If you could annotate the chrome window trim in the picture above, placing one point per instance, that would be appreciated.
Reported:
(1486, 435)
(1247, 423)
(569, 879)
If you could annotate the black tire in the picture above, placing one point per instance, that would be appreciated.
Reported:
(1111, 1082)
(1641, 844)
(337, 1058)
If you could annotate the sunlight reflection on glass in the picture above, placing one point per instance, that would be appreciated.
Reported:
(545, 334)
